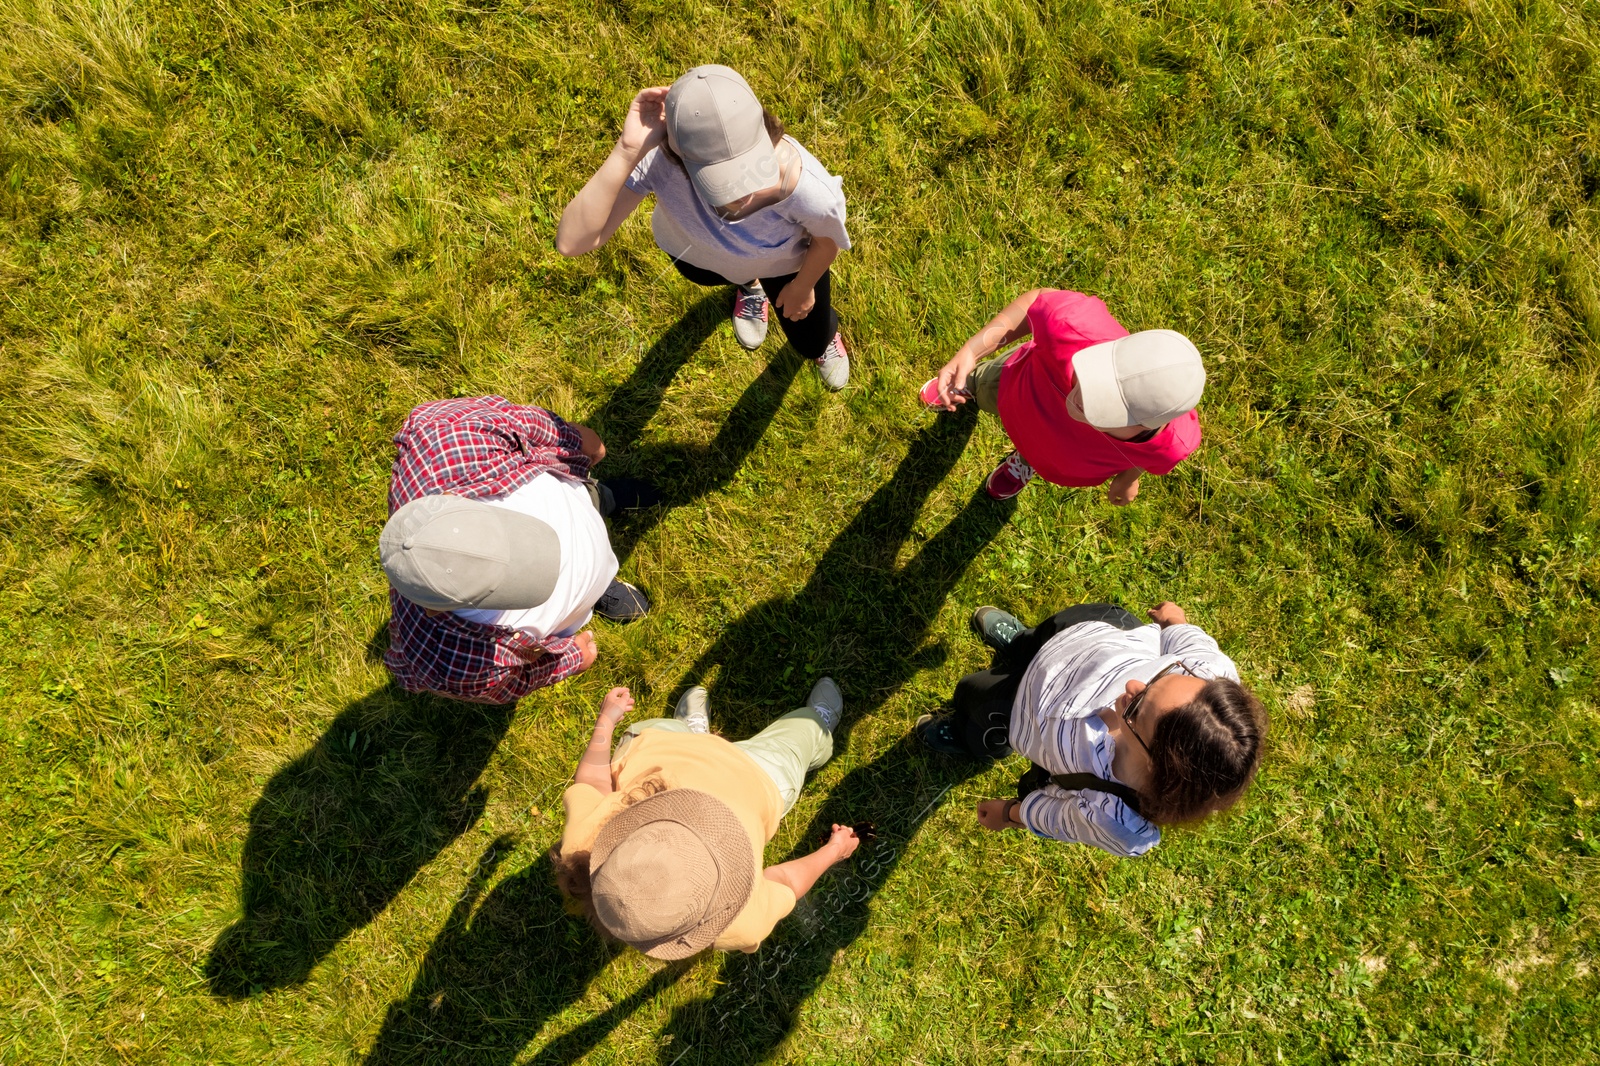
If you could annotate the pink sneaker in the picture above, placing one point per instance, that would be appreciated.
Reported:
(1009, 478)
(929, 393)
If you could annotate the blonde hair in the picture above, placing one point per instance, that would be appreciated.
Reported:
(572, 868)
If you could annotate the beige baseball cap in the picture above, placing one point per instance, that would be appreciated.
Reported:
(449, 553)
(714, 124)
(1144, 379)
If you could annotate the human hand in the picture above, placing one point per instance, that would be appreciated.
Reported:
(794, 302)
(590, 444)
(586, 646)
(953, 380)
(994, 814)
(1122, 489)
(843, 842)
(616, 705)
(1167, 614)
(646, 124)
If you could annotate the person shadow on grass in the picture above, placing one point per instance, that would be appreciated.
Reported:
(864, 620)
(683, 473)
(339, 831)
(500, 968)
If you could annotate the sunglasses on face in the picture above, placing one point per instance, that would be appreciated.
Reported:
(1132, 711)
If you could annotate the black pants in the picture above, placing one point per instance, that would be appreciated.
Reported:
(810, 335)
(982, 703)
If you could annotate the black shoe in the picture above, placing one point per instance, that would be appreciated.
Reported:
(629, 494)
(623, 603)
(937, 733)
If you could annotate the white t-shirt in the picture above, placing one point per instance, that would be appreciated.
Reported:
(1055, 721)
(767, 243)
(587, 562)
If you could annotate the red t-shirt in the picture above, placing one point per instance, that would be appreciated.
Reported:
(1033, 400)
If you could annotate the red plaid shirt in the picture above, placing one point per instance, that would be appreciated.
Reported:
(479, 448)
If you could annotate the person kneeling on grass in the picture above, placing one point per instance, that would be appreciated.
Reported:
(496, 550)
(737, 203)
(664, 838)
(1130, 727)
(1084, 401)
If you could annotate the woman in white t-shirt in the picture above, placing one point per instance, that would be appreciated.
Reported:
(737, 203)
(1130, 727)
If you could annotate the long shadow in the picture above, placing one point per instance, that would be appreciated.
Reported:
(759, 996)
(338, 832)
(683, 472)
(498, 972)
(863, 619)
(501, 967)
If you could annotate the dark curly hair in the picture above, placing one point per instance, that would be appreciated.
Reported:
(1204, 754)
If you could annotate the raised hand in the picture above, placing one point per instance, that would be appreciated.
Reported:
(646, 124)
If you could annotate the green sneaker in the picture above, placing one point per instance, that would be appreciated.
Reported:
(996, 628)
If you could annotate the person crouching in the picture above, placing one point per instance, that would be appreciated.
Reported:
(664, 839)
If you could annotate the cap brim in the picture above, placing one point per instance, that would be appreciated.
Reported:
(734, 179)
(1095, 369)
(725, 838)
(533, 565)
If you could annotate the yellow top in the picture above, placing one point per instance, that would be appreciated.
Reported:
(713, 766)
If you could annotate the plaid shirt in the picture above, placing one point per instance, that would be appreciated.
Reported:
(478, 448)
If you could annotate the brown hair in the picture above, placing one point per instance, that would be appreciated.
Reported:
(572, 869)
(775, 130)
(1204, 754)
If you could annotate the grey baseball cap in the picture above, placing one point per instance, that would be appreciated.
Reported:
(1144, 379)
(714, 124)
(449, 553)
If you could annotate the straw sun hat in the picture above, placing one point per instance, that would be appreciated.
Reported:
(671, 872)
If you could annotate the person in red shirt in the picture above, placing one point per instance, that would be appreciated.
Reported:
(1084, 401)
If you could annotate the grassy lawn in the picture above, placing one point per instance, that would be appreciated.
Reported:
(240, 240)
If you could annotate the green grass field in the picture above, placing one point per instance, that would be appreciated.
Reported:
(239, 241)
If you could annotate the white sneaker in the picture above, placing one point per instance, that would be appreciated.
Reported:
(834, 364)
(750, 315)
(692, 710)
(828, 702)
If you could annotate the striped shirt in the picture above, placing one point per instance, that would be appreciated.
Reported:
(1055, 721)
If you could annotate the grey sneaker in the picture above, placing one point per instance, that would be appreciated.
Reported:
(834, 364)
(692, 710)
(828, 702)
(750, 315)
(996, 628)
